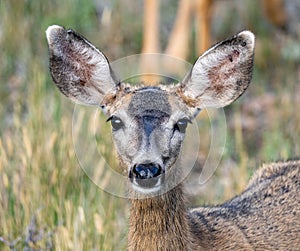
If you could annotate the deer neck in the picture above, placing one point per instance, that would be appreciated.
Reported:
(160, 223)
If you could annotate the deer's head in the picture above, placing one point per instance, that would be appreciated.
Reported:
(149, 123)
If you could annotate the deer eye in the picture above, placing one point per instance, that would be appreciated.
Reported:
(181, 125)
(116, 122)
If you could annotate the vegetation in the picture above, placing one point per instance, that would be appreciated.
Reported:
(46, 201)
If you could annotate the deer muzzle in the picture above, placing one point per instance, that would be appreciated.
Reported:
(146, 176)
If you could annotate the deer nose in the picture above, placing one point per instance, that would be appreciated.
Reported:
(146, 175)
(146, 171)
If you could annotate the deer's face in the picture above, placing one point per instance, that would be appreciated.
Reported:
(149, 123)
(148, 130)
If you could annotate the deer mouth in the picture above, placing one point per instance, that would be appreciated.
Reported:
(147, 178)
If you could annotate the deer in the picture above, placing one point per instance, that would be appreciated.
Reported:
(148, 128)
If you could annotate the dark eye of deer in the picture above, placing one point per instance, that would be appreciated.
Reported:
(116, 123)
(181, 125)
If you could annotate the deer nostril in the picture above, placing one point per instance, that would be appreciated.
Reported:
(146, 171)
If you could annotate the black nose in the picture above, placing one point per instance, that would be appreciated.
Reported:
(146, 171)
(146, 175)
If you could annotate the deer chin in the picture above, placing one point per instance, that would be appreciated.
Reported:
(148, 186)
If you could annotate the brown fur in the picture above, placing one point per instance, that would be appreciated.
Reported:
(263, 217)
(159, 223)
(187, 100)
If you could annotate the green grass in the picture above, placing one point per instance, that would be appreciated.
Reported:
(46, 201)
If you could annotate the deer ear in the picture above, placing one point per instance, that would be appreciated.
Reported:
(78, 68)
(221, 74)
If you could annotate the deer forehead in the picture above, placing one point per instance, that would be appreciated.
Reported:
(149, 99)
(139, 101)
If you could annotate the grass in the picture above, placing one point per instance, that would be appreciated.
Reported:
(46, 201)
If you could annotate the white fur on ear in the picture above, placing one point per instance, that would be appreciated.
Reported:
(51, 32)
(250, 38)
(222, 73)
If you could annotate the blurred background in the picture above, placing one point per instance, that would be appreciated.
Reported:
(46, 201)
